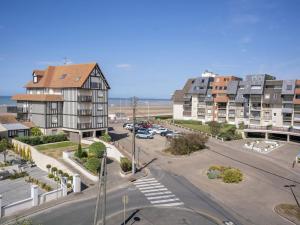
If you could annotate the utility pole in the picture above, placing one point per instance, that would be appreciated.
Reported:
(104, 191)
(134, 103)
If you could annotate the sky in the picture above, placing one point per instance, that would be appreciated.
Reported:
(149, 48)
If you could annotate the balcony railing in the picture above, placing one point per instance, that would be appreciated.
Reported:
(22, 110)
(84, 125)
(187, 113)
(84, 112)
(82, 98)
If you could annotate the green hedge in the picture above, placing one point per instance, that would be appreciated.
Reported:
(96, 150)
(39, 140)
(93, 164)
(195, 122)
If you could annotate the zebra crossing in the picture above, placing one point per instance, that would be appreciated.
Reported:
(157, 193)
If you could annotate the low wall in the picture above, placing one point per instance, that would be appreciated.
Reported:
(49, 196)
(41, 160)
(67, 156)
(16, 206)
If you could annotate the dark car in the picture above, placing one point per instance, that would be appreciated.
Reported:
(164, 133)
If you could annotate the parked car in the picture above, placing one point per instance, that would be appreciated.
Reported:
(142, 130)
(173, 135)
(144, 135)
(125, 124)
(159, 130)
(128, 126)
(151, 131)
(164, 133)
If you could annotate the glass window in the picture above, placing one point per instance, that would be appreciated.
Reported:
(54, 105)
(54, 119)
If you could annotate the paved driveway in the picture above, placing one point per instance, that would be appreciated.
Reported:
(264, 175)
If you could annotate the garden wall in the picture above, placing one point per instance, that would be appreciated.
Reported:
(41, 160)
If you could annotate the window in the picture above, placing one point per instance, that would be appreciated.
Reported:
(100, 107)
(267, 96)
(63, 76)
(54, 119)
(289, 87)
(225, 88)
(274, 114)
(255, 87)
(54, 105)
(209, 111)
(100, 94)
(35, 79)
(99, 119)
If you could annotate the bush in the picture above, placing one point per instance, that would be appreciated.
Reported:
(38, 140)
(105, 137)
(18, 175)
(126, 164)
(48, 188)
(232, 175)
(96, 150)
(50, 175)
(93, 164)
(228, 174)
(78, 153)
(35, 131)
(214, 127)
(187, 144)
(194, 122)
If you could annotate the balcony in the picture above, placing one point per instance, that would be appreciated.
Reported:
(255, 108)
(84, 112)
(221, 99)
(53, 111)
(221, 114)
(287, 110)
(22, 110)
(287, 118)
(201, 113)
(255, 99)
(82, 98)
(81, 126)
(187, 113)
(267, 118)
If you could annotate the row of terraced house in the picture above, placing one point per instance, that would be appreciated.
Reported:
(257, 101)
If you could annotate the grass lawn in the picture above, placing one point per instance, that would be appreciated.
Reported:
(201, 127)
(55, 150)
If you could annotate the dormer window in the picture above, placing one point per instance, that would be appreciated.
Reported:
(35, 79)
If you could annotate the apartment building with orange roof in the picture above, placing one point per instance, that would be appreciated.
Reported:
(70, 98)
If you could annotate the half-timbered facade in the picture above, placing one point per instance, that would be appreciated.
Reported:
(72, 98)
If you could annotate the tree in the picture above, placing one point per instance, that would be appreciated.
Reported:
(54, 169)
(35, 131)
(3, 147)
(48, 166)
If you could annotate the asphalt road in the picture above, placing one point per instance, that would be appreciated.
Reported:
(191, 198)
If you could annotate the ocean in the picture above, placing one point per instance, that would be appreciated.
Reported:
(6, 100)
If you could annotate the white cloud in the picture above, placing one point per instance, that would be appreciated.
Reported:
(123, 66)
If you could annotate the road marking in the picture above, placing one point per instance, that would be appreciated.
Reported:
(161, 196)
(165, 200)
(147, 185)
(158, 193)
(170, 204)
(155, 190)
(145, 179)
(146, 182)
(152, 187)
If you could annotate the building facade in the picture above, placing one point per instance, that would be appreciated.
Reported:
(70, 98)
(258, 100)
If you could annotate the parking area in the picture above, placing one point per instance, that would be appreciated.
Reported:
(264, 174)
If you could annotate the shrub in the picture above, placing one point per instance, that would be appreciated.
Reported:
(105, 137)
(214, 127)
(96, 150)
(69, 185)
(48, 188)
(50, 175)
(35, 131)
(93, 164)
(78, 153)
(53, 170)
(60, 172)
(187, 143)
(232, 175)
(18, 175)
(56, 179)
(48, 166)
(65, 175)
(194, 122)
(126, 164)
(38, 140)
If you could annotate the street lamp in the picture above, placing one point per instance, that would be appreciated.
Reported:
(291, 188)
